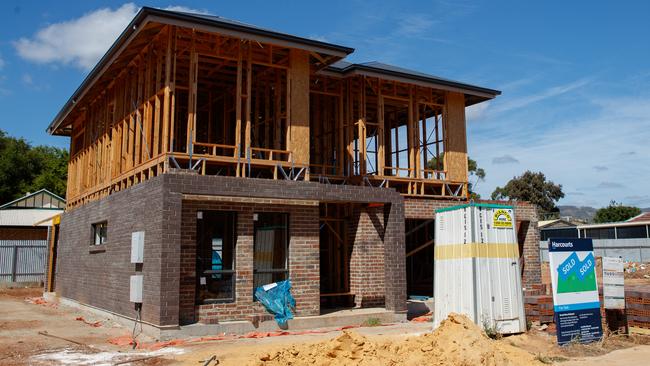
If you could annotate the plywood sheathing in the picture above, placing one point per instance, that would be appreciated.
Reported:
(298, 141)
(456, 138)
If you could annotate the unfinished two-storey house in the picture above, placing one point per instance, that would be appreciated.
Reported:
(242, 156)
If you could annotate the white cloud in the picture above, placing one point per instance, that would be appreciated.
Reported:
(568, 149)
(414, 25)
(82, 41)
(505, 159)
(185, 9)
(520, 102)
(608, 185)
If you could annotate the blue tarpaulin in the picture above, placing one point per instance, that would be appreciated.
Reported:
(277, 299)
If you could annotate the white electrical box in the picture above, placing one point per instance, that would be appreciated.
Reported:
(137, 247)
(135, 290)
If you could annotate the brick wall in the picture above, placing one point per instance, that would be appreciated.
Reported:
(303, 261)
(99, 275)
(524, 211)
(163, 207)
(390, 219)
(366, 230)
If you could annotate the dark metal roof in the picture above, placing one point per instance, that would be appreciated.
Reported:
(214, 20)
(344, 67)
(167, 16)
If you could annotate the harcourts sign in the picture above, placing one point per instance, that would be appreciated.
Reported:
(575, 291)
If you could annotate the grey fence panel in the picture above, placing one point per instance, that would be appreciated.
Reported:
(6, 263)
(30, 263)
(634, 250)
(22, 260)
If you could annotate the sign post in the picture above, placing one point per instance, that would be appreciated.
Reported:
(613, 283)
(575, 291)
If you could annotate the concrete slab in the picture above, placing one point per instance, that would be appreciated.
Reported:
(332, 319)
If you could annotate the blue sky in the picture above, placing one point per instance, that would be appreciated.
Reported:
(575, 76)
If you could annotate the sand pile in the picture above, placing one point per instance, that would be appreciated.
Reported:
(458, 341)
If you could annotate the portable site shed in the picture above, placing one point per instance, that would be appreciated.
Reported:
(476, 266)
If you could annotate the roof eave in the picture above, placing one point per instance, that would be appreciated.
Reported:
(243, 31)
(356, 69)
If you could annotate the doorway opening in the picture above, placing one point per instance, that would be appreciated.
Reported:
(335, 254)
(419, 257)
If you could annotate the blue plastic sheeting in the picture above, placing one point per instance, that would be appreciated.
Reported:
(277, 299)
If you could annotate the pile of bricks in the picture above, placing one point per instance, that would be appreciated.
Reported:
(538, 304)
(637, 302)
(539, 308)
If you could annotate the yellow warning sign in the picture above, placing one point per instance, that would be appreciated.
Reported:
(502, 219)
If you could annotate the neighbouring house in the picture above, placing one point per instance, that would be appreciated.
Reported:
(628, 239)
(24, 229)
(244, 156)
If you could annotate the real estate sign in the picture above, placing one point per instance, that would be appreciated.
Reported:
(613, 283)
(575, 291)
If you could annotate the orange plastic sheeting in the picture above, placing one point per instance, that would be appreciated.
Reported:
(92, 324)
(127, 340)
(40, 301)
(422, 319)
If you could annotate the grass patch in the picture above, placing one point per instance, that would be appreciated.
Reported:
(548, 360)
(372, 322)
(491, 330)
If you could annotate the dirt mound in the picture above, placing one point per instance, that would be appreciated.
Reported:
(458, 341)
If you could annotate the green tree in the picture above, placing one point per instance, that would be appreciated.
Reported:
(24, 168)
(615, 212)
(534, 188)
(474, 172)
(15, 167)
(53, 169)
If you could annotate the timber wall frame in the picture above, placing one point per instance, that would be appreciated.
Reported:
(280, 114)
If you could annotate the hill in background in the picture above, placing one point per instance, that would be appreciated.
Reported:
(583, 212)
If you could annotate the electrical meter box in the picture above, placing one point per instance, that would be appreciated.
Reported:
(137, 247)
(135, 290)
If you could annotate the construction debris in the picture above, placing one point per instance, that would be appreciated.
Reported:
(458, 341)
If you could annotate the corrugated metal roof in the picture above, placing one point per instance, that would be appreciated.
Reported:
(22, 217)
(614, 224)
(566, 223)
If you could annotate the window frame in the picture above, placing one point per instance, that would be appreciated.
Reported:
(287, 246)
(229, 272)
(93, 232)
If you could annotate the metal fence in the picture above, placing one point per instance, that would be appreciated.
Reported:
(22, 260)
(633, 250)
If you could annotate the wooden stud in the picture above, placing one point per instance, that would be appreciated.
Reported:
(238, 110)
